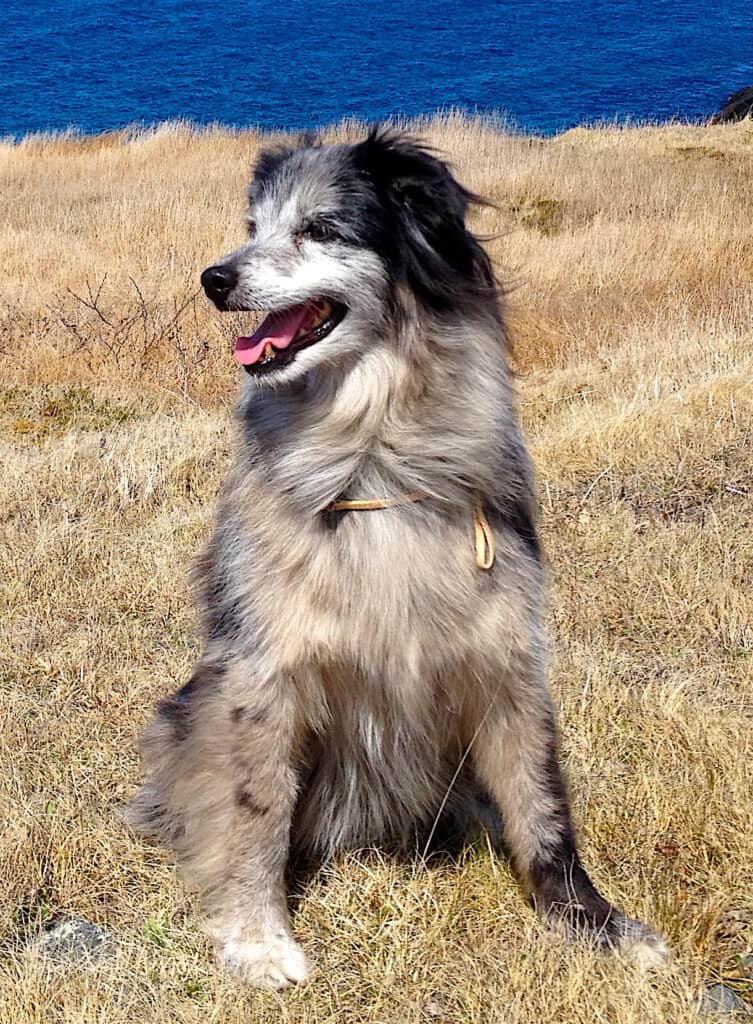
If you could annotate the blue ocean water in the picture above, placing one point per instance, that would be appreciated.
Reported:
(100, 64)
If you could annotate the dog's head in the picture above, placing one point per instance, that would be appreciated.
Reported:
(336, 233)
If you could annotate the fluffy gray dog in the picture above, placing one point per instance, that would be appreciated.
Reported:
(374, 664)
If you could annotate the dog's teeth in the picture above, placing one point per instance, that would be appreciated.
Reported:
(269, 351)
(324, 311)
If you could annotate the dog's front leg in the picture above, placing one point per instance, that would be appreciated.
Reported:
(246, 901)
(515, 753)
(219, 787)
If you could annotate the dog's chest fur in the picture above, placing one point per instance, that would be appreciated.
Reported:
(384, 589)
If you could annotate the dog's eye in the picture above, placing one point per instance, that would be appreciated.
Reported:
(318, 231)
(251, 228)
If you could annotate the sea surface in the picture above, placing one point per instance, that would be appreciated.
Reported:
(102, 64)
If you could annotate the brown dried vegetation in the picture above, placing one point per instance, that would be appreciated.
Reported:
(628, 255)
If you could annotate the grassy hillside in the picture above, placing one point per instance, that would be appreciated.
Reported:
(629, 259)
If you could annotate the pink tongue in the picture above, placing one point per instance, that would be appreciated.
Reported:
(278, 329)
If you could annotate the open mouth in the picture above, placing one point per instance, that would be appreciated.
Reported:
(284, 333)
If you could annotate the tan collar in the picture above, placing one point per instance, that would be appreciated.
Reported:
(482, 531)
(367, 504)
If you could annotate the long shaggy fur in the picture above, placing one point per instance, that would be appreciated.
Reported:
(363, 681)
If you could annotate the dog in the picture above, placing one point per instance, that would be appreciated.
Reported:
(374, 660)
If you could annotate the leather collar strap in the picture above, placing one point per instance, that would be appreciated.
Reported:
(368, 504)
(483, 536)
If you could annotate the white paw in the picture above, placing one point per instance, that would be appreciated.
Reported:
(271, 963)
(643, 946)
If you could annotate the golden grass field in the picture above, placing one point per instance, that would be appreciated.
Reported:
(628, 253)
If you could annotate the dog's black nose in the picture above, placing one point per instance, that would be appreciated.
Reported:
(218, 281)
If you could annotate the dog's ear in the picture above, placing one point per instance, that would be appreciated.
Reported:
(426, 208)
(267, 164)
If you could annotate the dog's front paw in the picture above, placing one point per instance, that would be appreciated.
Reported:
(640, 944)
(272, 962)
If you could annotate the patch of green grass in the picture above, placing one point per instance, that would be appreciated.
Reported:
(35, 413)
(541, 214)
(157, 931)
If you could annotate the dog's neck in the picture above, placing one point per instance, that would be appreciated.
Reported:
(422, 413)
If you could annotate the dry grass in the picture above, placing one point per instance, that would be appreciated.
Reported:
(632, 259)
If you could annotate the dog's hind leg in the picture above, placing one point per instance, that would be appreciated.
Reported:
(219, 772)
(515, 753)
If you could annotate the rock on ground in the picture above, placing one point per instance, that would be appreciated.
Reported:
(71, 941)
